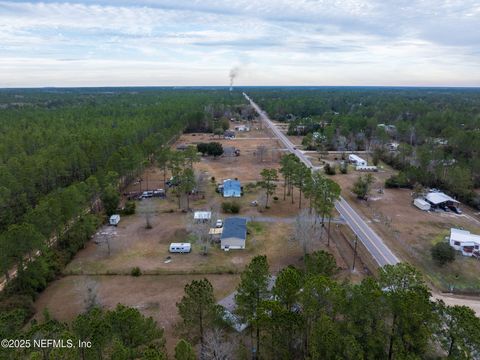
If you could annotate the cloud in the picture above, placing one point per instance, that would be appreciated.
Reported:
(197, 42)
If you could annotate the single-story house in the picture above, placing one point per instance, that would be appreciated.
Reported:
(232, 188)
(230, 306)
(202, 216)
(357, 160)
(464, 241)
(242, 128)
(234, 234)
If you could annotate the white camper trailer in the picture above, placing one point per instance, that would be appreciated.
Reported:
(356, 160)
(421, 204)
(114, 220)
(180, 247)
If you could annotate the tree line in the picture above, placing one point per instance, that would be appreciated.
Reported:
(304, 313)
(300, 313)
(61, 155)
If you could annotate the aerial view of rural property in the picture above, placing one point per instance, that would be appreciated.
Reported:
(233, 180)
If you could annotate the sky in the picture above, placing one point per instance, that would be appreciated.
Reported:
(276, 42)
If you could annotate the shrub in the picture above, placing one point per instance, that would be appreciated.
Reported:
(398, 181)
(275, 198)
(226, 206)
(130, 208)
(136, 271)
(232, 207)
(329, 169)
(442, 253)
(235, 207)
(212, 179)
(344, 168)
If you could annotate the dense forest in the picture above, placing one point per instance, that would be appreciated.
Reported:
(63, 151)
(431, 135)
(303, 313)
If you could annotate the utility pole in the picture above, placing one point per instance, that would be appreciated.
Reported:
(355, 253)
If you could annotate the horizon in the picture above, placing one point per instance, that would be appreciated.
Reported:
(123, 43)
(237, 88)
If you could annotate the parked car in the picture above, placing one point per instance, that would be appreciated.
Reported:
(219, 223)
(147, 194)
(455, 209)
(159, 193)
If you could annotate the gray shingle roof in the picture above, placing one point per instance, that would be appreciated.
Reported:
(235, 227)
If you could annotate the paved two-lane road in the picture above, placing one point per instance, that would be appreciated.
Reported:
(374, 244)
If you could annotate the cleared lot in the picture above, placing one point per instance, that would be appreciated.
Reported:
(154, 296)
(106, 269)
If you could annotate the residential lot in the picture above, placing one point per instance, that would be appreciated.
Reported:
(106, 263)
(411, 232)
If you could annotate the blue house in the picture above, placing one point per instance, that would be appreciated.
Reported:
(232, 188)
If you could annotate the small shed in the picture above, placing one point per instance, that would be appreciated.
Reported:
(202, 216)
(230, 151)
(182, 147)
(232, 188)
(234, 234)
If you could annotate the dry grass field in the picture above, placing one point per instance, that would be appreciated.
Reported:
(161, 284)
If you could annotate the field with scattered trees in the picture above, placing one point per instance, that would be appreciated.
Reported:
(68, 156)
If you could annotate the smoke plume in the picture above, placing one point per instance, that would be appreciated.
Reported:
(234, 72)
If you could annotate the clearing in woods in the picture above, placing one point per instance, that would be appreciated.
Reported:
(107, 273)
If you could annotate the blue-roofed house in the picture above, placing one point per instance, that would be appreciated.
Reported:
(234, 234)
(232, 188)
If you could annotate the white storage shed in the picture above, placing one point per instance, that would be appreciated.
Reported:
(421, 204)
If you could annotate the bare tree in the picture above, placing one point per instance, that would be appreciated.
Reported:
(201, 180)
(261, 152)
(104, 237)
(91, 300)
(217, 346)
(307, 225)
(201, 230)
(147, 209)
